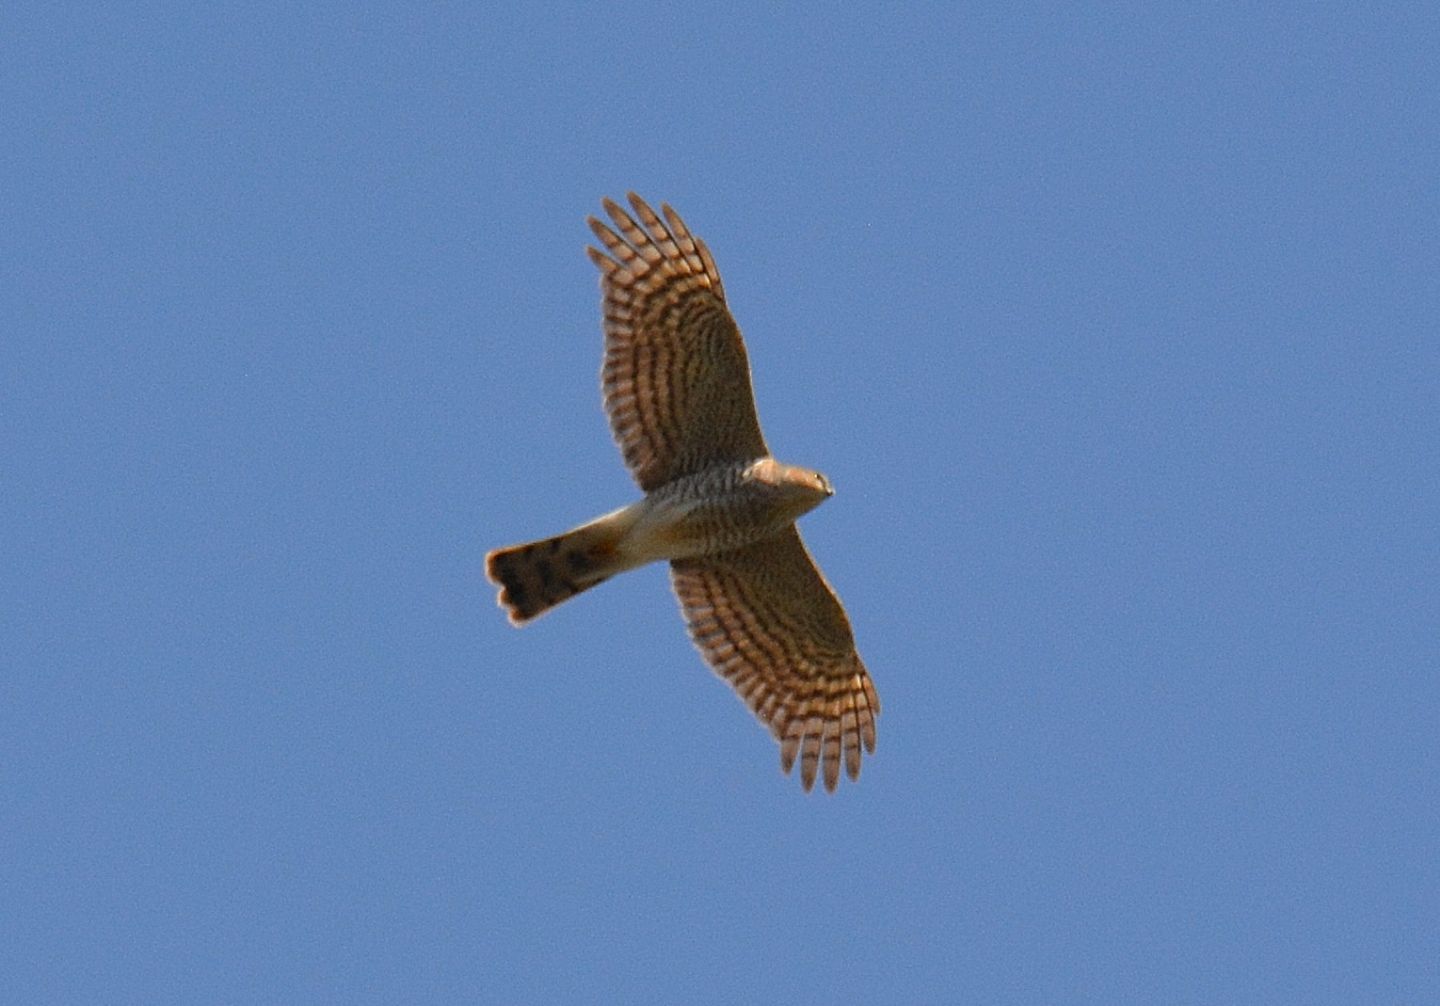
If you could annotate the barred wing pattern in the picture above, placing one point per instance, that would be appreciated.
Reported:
(676, 378)
(765, 619)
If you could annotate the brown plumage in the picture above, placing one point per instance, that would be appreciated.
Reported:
(676, 378)
(766, 621)
(536, 576)
(676, 384)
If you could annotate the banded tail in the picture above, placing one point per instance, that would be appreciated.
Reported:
(538, 575)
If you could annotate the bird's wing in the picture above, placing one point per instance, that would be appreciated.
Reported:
(676, 378)
(765, 620)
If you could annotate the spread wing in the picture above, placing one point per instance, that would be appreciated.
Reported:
(765, 620)
(676, 378)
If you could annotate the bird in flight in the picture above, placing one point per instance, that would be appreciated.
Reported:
(717, 506)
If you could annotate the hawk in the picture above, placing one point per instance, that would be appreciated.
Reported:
(717, 506)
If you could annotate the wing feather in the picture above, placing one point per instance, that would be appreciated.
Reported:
(765, 620)
(676, 379)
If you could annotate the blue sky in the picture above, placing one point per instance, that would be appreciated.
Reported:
(1115, 331)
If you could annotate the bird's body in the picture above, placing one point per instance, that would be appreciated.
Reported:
(717, 509)
(717, 506)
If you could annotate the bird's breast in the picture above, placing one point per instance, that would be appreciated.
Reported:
(713, 511)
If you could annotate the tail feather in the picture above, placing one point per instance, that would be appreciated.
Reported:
(538, 575)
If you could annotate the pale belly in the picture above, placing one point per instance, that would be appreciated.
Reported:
(701, 515)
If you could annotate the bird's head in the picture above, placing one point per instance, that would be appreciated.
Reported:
(800, 489)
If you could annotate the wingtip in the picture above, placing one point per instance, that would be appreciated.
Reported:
(600, 228)
(639, 205)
